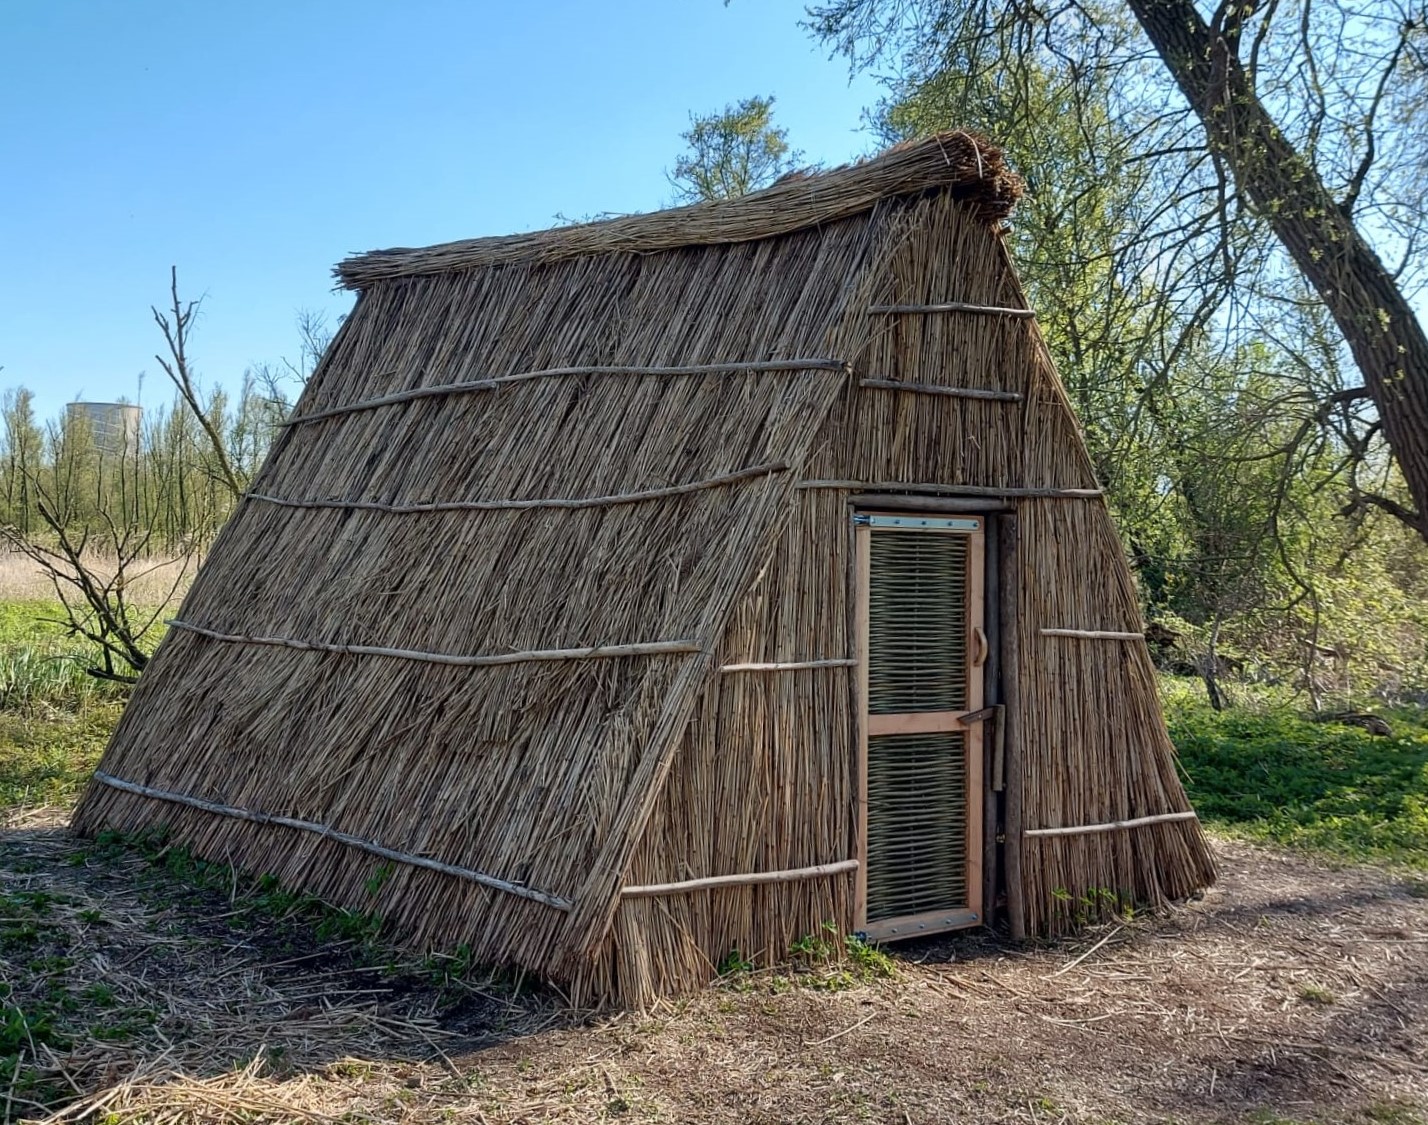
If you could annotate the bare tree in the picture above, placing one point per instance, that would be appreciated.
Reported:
(175, 325)
(93, 570)
(98, 533)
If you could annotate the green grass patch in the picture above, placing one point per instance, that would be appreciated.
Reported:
(1268, 773)
(47, 760)
(258, 899)
(821, 961)
(55, 718)
(42, 1005)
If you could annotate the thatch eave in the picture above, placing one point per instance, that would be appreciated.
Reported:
(969, 165)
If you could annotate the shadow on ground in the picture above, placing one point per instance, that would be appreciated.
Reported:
(120, 979)
(1291, 993)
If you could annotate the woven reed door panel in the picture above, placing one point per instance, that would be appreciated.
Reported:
(923, 645)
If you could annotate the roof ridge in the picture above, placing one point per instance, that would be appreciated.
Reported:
(968, 165)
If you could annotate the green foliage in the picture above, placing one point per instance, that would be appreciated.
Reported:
(1269, 774)
(732, 153)
(378, 879)
(869, 960)
(259, 897)
(1211, 387)
(1091, 906)
(735, 962)
(831, 963)
(823, 961)
(54, 718)
(42, 668)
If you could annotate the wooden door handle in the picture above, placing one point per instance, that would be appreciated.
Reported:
(983, 648)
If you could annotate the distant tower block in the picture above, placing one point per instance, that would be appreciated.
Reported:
(113, 425)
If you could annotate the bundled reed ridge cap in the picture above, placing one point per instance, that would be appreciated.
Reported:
(966, 164)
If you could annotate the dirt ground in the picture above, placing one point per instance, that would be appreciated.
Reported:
(1292, 992)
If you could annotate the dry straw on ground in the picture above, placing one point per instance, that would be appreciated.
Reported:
(1291, 993)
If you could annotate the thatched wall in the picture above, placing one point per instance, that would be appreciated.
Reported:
(765, 777)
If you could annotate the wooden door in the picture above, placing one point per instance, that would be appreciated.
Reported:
(922, 647)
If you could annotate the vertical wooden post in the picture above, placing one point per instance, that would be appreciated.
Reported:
(975, 740)
(991, 796)
(1009, 584)
(862, 555)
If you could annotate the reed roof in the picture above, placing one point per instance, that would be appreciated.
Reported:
(964, 164)
(613, 479)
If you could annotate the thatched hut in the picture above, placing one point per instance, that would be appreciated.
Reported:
(625, 594)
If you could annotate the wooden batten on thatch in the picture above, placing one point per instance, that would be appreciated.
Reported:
(551, 602)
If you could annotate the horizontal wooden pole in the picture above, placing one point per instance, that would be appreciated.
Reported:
(1086, 829)
(712, 882)
(953, 307)
(369, 846)
(790, 665)
(935, 489)
(935, 389)
(597, 652)
(526, 505)
(952, 505)
(915, 722)
(1093, 634)
(499, 381)
(920, 925)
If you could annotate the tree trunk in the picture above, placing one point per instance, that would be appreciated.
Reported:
(1210, 668)
(1388, 343)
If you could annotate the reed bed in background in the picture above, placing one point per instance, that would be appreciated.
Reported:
(153, 583)
(422, 526)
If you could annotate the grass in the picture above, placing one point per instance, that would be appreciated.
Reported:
(1261, 771)
(46, 760)
(256, 899)
(54, 717)
(46, 1006)
(42, 669)
(1267, 773)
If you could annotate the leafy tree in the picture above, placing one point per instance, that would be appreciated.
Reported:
(733, 153)
(1207, 380)
(23, 445)
(1296, 116)
(1118, 309)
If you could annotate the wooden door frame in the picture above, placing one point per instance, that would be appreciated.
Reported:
(939, 921)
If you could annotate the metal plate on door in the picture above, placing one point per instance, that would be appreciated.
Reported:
(918, 523)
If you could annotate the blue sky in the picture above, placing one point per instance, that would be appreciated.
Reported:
(255, 144)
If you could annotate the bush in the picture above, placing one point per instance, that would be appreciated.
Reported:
(1269, 773)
